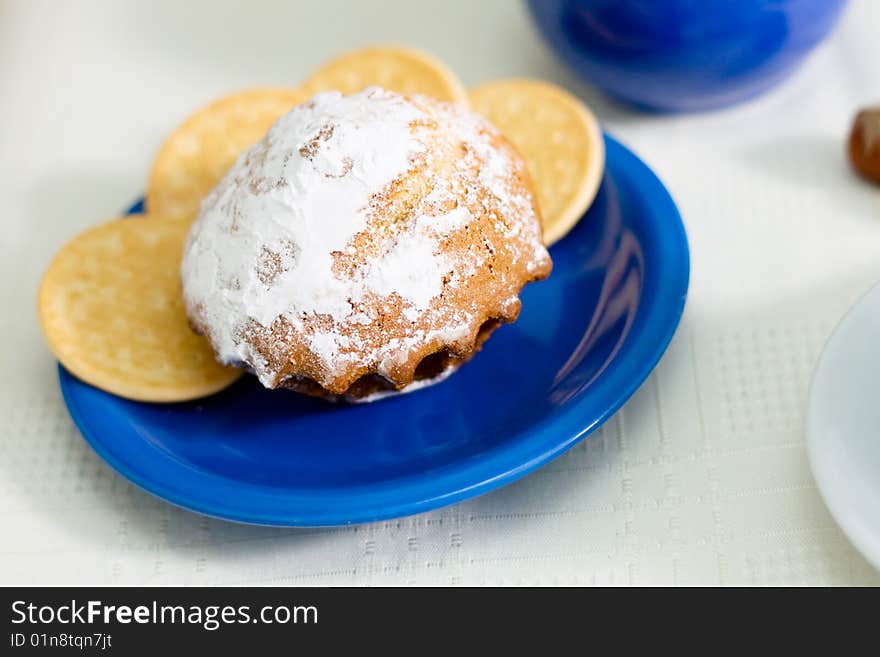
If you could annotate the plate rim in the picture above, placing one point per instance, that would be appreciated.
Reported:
(532, 448)
(866, 542)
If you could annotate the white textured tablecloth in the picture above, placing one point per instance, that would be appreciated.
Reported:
(701, 479)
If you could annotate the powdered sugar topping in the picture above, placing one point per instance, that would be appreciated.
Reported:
(306, 240)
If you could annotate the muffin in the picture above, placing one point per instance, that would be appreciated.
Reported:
(368, 244)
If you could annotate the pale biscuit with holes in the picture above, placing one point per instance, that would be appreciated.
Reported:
(205, 146)
(560, 140)
(111, 309)
(397, 69)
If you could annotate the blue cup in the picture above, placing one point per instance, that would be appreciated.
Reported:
(684, 55)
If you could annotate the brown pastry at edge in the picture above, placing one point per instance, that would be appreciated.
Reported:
(864, 144)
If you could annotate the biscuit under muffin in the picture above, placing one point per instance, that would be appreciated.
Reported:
(367, 242)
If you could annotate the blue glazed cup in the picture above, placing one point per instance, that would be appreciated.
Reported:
(684, 55)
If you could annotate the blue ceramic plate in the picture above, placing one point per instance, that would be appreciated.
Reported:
(586, 338)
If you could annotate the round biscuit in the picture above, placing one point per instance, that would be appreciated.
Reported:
(399, 69)
(558, 137)
(112, 311)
